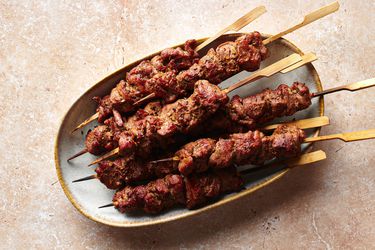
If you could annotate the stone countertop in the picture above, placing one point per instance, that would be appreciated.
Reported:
(52, 51)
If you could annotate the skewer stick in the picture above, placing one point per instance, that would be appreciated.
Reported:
(110, 154)
(147, 97)
(346, 137)
(236, 26)
(322, 12)
(303, 124)
(306, 58)
(299, 161)
(83, 151)
(87, 121)
(268, 71)
(291, 163)
(350, 87)
(91, 177)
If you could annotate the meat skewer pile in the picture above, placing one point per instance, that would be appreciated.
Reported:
(252, 147)
(184, 115)
(205, 168)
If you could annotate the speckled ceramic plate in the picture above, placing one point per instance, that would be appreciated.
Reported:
(88, 196)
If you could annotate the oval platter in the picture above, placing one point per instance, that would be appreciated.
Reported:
(88, 196)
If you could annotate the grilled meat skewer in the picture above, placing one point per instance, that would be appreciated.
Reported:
(252, 147)
(173, 190)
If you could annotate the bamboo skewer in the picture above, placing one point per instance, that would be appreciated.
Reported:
(350, 87)
(236, 26)
(304, 159)
(346, 137)
(322, 12)
(83, 151)
(87, 121)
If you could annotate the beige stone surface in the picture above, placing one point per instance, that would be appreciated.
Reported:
(52, 51)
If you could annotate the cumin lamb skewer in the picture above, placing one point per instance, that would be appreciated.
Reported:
(252, 147)
(189, 191)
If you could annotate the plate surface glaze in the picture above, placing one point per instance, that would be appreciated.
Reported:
(89, 195)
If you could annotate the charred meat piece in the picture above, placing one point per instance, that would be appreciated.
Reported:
(173, 190)
(117, 173)
(152, 198)
(201, 188)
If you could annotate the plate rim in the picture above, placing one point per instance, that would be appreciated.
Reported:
(247, 191)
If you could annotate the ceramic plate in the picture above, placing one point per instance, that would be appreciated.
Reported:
(89, 195)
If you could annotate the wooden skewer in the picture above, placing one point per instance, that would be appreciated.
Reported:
(83, 151)
(315, 122)
(306, 58)
(91, 177)
(291, 163)
(304, 159)
(350, 87)
(265, 72)
(146, 98)
(87, 121)
(346, 137)
(322, 12)
(236, 26)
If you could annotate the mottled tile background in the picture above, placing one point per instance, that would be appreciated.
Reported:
(52, 51)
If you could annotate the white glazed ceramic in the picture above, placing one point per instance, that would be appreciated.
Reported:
(89, 195)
